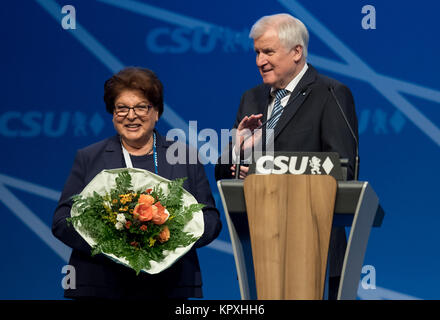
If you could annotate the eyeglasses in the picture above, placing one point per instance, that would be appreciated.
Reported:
(141, 111)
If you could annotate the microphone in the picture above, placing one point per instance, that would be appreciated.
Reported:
(275, 114)
(356, 163)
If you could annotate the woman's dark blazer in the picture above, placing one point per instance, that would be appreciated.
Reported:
(100, 277)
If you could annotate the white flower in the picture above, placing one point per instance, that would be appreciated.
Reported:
(119, 225)
(121, 218)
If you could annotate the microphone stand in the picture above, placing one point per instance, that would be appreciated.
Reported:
(356, 163)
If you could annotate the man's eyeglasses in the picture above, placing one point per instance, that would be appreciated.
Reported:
(141, 111)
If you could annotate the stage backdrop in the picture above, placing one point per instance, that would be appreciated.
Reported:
(55, 62)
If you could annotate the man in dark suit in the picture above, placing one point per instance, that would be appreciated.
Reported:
(302, 113)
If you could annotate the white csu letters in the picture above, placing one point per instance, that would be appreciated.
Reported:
(269, 164)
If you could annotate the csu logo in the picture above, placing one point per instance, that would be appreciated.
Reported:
(327, 163)
(49, 124)
(303, 164)
(199, 40)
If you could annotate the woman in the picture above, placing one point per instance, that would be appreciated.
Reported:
(134, 97)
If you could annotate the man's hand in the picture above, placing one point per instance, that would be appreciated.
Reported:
(243, 171)
(245, 128)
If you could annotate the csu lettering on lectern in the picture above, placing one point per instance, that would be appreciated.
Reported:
(281, 164)
(310, 163)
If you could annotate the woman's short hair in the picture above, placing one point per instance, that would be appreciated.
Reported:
(291, 31)
(134, 78)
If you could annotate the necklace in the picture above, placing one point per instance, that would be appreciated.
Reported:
(127, 158)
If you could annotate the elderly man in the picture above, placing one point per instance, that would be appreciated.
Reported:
(301, 111)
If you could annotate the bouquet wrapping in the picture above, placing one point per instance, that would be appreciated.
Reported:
(137, 218)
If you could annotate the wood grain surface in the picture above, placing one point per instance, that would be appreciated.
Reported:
(290, 219)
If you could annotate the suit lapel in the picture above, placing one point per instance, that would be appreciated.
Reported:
(296, 101)
(113, 154)
(263, 101)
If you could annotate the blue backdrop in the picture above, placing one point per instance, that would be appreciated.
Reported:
(51, 105)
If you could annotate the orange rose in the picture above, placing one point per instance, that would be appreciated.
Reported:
(143, 210)
(146, 199)
(164, 235)
(159, 216)
(143, 213)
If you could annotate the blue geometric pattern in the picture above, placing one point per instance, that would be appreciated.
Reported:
(53, 106)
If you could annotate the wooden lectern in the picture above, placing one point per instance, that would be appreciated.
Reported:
(281, 245)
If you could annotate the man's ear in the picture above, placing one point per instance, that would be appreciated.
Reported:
(297, 53)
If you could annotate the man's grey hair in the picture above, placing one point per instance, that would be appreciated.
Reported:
(291, 31)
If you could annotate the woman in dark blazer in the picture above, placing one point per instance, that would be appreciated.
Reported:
(134, 97)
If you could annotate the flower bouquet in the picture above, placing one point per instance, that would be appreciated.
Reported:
(137, 218)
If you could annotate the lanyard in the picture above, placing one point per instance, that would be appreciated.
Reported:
(127, 158)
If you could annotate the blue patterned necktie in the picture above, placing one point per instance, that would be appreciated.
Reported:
(276, 112)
